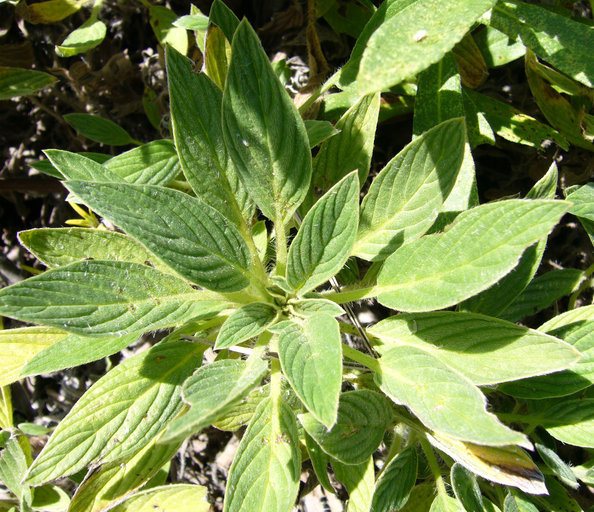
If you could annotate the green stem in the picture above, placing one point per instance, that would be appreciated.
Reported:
(351, 295)
(95, 11)
(281, 248)
(275, 378)
(361, 358)
(434, 467)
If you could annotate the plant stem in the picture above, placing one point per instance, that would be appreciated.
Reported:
(434, 467)
(281, 248)
(361, 358)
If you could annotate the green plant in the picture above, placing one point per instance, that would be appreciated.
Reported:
(222, 259)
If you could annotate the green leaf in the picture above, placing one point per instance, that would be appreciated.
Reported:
(195, 22)
(13, 466)
(351, 149)
(56, 247)
(74, 350)
(50, 498)
(18, 346)
(224, 18)
(319, 461)
(245, 323)
(479, 347)
(443, 399)
(363, 416)
(516, 502)
(99, 129)
(187, 234)
(109, 421)
(583, 201)
(326, 236)
(310, 353)
(167, 497)
(265, 472)
(421, 498)
(445, 503)
(16, 82)
(196, 104)
(359, 481)
(217, 56)
(570, 420)
(52, 10)
(319, 131)
(162, 19)
(481, 246)
(212, 390)
(497, 48)
(114, 481)
(512, 124)
(405, 37)
(88, 36)
(557, 465)
(307, 307)
(258, 119)
(155, 163)
(466, 489)
(396, 482)
(560, 41)
(78, 167)
(406, 196)
(97, 298)
(576, 327)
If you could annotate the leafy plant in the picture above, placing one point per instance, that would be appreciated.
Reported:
(246, 256)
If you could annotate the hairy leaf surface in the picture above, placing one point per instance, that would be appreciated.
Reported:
(245, 323)
(396, 482)
(167, 497)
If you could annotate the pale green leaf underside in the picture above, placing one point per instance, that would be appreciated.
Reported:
(168, 497)
(441, 398)
(120, 413)
(266, 469)
(481, 246)
(310, 353)
(479, 347)
(326, 236)
(96, 298)
(406, 196)
(245, 323)
(406, 37)
(187, 234)
(212, 390)
(263, 130)
(363, 416)
(56, 247)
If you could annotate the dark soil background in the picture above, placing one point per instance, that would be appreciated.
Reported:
(110, 81)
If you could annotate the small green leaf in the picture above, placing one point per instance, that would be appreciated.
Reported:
(167, 497)
(406, 196)
(212, 390)
(310, 353)
(406, 37)
(99, 129)
(245, 323)
(466, 489)
(482, 245)
(396, 482)
(363, 416)
(445, 503)
(51, 11)
(97, 298)
(88, 36)
(319, 461)
(326, 236)
(359, 481)
(479, 347)
(224, 18)
(259, 118)
(196, 22)
(109, 421)
(570, 421)
(13, 466)
(162, 22)
(187, 234)
(557, 465)
(307, 307)
(351, 149)
(155, 163)
(50, 498)
(265, 472)
(218, 55)
(583, 201)
(441, 398)
(516, 502)
(319, 131)
(16, 82)
(497, 48)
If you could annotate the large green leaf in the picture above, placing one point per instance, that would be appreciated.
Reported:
(168, 497)
(479, 347)
(224, 18)
(440, 397)
(97, 298)
(187, 234)
(22, 82)
(245, 323)
(405, 37)
(263, 130)
(481, 246)
(266, 469)
(557, 39)
(326, 236)
(396, 482)
(406, 196)
(351, 149)
(212, 390)
(363, 416)
(74, 166)
(311, 358)
(577, 328)
(56, 247)
(120, 413)
(196, 104)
